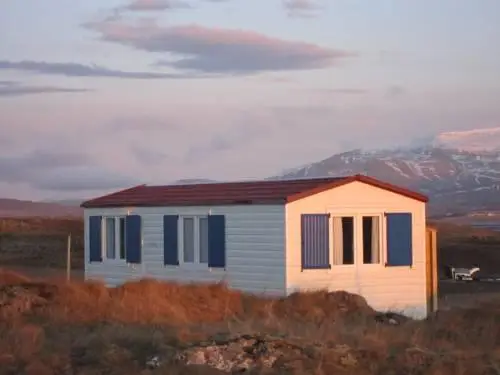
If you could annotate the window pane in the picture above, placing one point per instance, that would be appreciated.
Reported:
(110, 238)
(188, 240)
(203, 240)
(348, 240)
(371, 239)
(343, 240)
(122, 238)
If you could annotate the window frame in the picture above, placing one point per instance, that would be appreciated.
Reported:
(118, 239)
(358, 236)
(197, 241)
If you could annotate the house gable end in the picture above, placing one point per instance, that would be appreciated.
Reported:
(365, 180)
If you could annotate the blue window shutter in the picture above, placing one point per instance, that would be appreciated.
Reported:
(399, 239)
(315, 241)
(217, 241)
(170, 240)
(95, 239)
(133, 238)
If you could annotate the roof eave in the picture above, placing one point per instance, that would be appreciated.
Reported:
(184, 204)
(89, 202)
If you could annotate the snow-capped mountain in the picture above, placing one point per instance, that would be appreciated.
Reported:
(452, 170)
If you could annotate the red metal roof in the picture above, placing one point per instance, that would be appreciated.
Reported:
(254, 192)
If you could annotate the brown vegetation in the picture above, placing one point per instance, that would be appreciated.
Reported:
(464, 246)
(149, 327)
(40, 242)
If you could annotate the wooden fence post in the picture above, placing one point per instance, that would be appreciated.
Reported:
(68, 259)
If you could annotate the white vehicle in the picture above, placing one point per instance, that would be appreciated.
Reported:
(463, 274)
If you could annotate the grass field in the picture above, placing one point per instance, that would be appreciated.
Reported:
(49, 326)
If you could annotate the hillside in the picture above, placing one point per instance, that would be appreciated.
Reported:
(457, 180)
(20, 208)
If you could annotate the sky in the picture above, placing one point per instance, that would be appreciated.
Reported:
(100, 95)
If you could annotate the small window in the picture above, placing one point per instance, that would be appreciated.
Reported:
(110, 238)
(193, 244)
(343, 240)
(371, 240)
(188, 240)
(114, 238)
(204, 240)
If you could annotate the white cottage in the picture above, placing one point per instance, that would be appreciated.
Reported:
(356, 234)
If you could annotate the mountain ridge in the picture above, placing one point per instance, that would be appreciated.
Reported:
(456, 181)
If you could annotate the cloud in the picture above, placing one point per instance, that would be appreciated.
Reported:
(142, 124)
(343, 91)
(11, 88)
(395, 91)
(8, 83)
(156, 5)
(83, 179)
(245, 133)
(301, 8)
(149, 157)
(216, 50)
(80, 70)
(65, 171)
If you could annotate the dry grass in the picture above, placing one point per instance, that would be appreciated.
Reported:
(40, 242)
(54, 327)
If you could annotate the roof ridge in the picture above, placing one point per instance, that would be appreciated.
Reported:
(260, 181)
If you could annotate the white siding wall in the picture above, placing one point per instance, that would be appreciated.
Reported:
(255, 250)
(385, 288)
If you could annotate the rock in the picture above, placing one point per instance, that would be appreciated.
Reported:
(392, 319)
(244, 353)
(153, 362)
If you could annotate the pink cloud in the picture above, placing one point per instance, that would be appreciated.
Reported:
(218, 50)
(156, 5)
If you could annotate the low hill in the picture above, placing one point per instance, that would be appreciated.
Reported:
(20, 208)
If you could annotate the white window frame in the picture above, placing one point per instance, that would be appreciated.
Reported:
(180, 247)
(381, 239)
(358, 236)
(104, 231)
(354, 240)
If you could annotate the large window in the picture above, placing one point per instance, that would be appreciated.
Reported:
(371, 239)
(194, 240)
(114, 238)
(343, 240)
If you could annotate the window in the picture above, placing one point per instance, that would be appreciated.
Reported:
(188, 240)
(110, 238)
(114, 240)
(371, 239)
(343, 240)
(194, 240)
